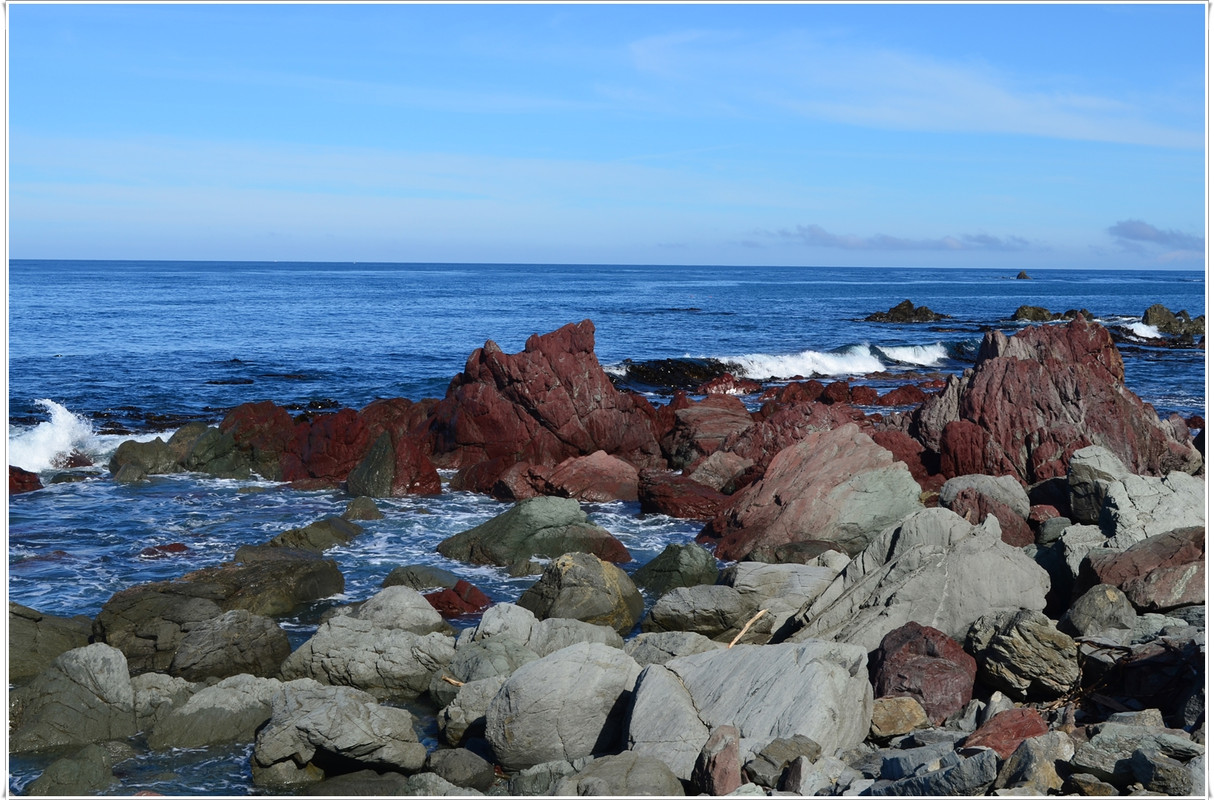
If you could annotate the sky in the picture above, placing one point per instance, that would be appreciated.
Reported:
(1005, 136)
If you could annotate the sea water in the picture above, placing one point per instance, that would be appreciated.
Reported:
(101, 352)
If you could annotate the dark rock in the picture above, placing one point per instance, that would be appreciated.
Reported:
(836, 392)
(233, 643)
(718, 770)
(229, 711)
(1022, 276)
(462, 768)
(677, 565)
(921, 662)
(363, 783)
(21, 481)
(674, 495)
(971, 777)
(906, 312)
(914, 455)
(1034, 314)
(36, 639)
(674, 373)
(320, 535)
(1177, 324)
(583, 587)
(264, 432)
(717, 612)
(780, 426)
(461, 599)
(164, 550)
(769, 764)
(148, 458)
(906, 395)
(1102, 610)
(973, 505)
(864, 396)
(721, 471)
(214, 453)
(421, 578)
(728, 384)
(87, 772)
(1159, 773)
(1004, 732)
(362, 508)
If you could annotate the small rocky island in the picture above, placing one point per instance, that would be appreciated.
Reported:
(906, 312)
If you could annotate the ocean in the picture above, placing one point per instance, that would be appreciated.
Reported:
(103, 351)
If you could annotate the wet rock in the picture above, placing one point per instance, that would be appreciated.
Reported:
(146, 458)
(1024, 654)
(1158, 573)
(728, 384)
(264, 432)
(393, 467)
(583, 587)
(462, 598)
(1034, 314)
(542, 526)
(462, 768)
(1033, 767)
(566, 705)
(85, 696)
(933, 568)
(421, 578)
(817, 689)
(924, 663)
(718, 769)
(320, 535)
(906, 312)
(362, 783)
(835, 486)
(362, 508)
(896, 716)
(596, 478)
(674, 495)
(1178, 324)
(627, 774)
(36, 639)
(87, 772)
(229, 711)
(21, 481)
(312, 726)
(678, 565)
(326, 448)
(233, 643)
(473, 661)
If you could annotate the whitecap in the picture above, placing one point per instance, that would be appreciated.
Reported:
(922, 355)
(855, 360)
(48, 444)
(1144, 331)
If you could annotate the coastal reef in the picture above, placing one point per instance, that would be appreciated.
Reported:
(986, 585)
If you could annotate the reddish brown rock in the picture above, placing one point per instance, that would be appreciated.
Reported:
(795, 392)
(596, 478)
(836, 487)
(163, 550)
(662, 492)
(461, 599)
(327, 448)
(973, 506)
(398, 416)
(864, 396)
(1158, 573)
(1038, 514)
(928, 665)
(550, 402)
(702, 427)
(1004, 732)
(263, 430)
(908, 395)
(21, 481)
(781, 426)
(728, 384)
(718, 768)
(1033, 399)
(913, 454)
(836, 392)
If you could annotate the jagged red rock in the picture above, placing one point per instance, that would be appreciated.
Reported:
(921, 662)
(21, 481)
(1158, 573)
(663, 492)
(1004, 732)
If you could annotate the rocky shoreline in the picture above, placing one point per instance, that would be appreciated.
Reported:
(994, 586)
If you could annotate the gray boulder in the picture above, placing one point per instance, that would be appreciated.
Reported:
(1024, 655)
(542, 637)
(156, 694)
(36, 639)
(473, 661)
(564, 706)
(676, 566)
(542, 779)
(779, 589)
(661, 646)
(464, 716)
(236, 642)
(1102, 611)
(229, 711)
(361, 783)
(401, 608)
(1005, 489)
(825, 776)
(933, 568)
(540, 526)
(462, 768)
(1089, 474)
(1107, 755)
(1138, 507)
(346, 651)
(86, 772)
(312, 724)
(320, 535)
(768, 765)
(716, 612)
(817, 689)
(583, 587)
(85, 696)
(421, 577)
(971, 777)
(427, 784)
(627, 774)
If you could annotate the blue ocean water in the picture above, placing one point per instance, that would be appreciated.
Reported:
(104, 351)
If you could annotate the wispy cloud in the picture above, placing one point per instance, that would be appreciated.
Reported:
(1132, 233)
(817, 236)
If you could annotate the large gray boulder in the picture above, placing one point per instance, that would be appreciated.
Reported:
(837, 487)
(564, 706)
(85, 696)
(229, 711)
(401, 608)
(542, 637)
(816, 689)
(779, 589)
(87, 772)
(1138, 507)
(387, 662)
(717, 612)
(310, 725)
(661, 646)
(499, 656)
(156, 694)
(540, 526)
(677, 565)
(583, 587)
(36, 639)
(236, 642)
(627, 774)
(933, 568)
(1090, 472)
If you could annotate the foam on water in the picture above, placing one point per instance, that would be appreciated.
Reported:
(921, 355)
(855, 360)
(1144, 331)
(48, 444)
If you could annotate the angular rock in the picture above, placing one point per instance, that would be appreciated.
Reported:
(933, 568)
(674, 495)
(971, 777)
(362, 508)
(401, 608)
(386, 662)
(906, 312)
(84, 696)
(542, 526)
(156, 694)
(627, 774)
(1103, 611)
(488, 658)
(393, 467)
(596, 478)
(1159, 773)
(320, 535)
(678, 565)
(87, 772)
(264, 432)
(542, 779)
(896, 716)
(716, 612)
(233, 643)
(1090, 473)
(817, 689)
(702, 428)
(836, 486)
(924, 663)
(1004, 489)
(768, 765)
(718, 769)
(326, 448)
(1033, 767)
(583, 587)
(148, 458)
(1159, 573)
(462, 598)
(973, 506)
(21, 481)
(661, 646)
(464, 716)
(421, 578)
(229, 711)
(721, 471)
(462, 768)
(1004, 732)
(826, 775)
(566, 705)
(1138, 507)
(1023, 654)
(1108, 752)
(36, 639)
(779, 589)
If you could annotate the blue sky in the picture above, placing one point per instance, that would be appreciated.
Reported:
(1022, 135)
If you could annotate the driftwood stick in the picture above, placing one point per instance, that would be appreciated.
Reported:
(452, 681)
(746, 627)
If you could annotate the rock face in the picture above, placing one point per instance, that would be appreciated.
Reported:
(230, 711)
(676, 566)
(701, 428)
(1159, 573)
(924, 663)
(233, 643)
(564, 706)
(627, 774)
(934, 569)
(975, 496)
(36, 639)
(393, 467)
(84, 696)
(580, 586)
(548, 403)
(674, 495)
(817, 689)
(596, 478)
(541, 526)
(836, 487)
(1075, 377)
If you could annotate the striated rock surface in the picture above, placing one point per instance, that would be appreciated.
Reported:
(1024, 654)
(626, 774)
(1156, 574)
(36, 639)
(596, 478)
(233, 643)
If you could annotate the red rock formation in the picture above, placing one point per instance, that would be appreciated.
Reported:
(21, 481)
(327, 448)
(596, 478)
(702, 427)
(973, 505)
(679, 496)
(728, 384)
(463, 598)
(1004, 732)
(908, 395)
(264, 430)
(926, 664)
(1158, 573)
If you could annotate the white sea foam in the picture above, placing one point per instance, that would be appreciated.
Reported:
(1143, 331)
(47, 444)
(922, 355)
(855, 360)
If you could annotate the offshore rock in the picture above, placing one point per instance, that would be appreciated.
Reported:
(924, 663)
(906, 312)
(817, 689)
(582, 587)
(1076, 378)
(320, 535)
(36, 639)
(626, 774)
(264, 432)
(142, 458)
(564, 706)
(541, 526)
(933, 568)
(543, 405)
(835, 486)
(21, 481)
(394, 467)
(326, 448)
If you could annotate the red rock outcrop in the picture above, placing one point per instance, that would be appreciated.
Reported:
(1004, 732)
(596, 478)
(908, 395)
(679, 496)
(921, 662)
(550, 402)
(1033, 399)
(780, 426)
(973, 506)
(1158, 573)
(265, 431)
(21, 481)
(327, 448)
(728, 384)
(462, 598)
(701, 428)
